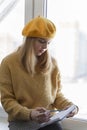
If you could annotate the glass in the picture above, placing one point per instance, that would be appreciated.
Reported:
(11, 24)
(71, 39)
(70, 48)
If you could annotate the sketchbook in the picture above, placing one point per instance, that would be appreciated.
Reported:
(57, 117)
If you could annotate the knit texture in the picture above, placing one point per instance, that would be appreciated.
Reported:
(20, 92)
(39, 27)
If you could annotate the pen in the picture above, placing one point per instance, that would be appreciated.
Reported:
(54, 110)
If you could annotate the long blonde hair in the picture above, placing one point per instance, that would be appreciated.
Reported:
(30, 61)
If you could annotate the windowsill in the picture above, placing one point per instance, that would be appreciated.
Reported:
(74, 124)
(82, 117)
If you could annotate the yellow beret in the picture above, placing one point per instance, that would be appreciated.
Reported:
(39, 27)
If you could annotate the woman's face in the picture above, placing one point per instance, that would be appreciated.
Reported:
(40, 46)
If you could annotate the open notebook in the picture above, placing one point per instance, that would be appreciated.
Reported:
(57, 117)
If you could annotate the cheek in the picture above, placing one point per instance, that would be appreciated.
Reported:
(37, 48)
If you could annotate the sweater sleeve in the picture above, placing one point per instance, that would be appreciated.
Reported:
(8, 99)
(60, 101)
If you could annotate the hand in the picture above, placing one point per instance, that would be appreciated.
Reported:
(74, 112)
(40, 114)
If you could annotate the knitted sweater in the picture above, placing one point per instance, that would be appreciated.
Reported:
(21, 92)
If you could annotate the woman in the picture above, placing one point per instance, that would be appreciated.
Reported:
(30, 80)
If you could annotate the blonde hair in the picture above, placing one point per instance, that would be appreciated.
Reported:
(30, 61)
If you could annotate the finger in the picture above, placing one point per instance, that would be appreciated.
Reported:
(41, 109)
(70, 115)
(43, 119)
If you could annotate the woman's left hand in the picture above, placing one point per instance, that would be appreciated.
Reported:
(74, 112)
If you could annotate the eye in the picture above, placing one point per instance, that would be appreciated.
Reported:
(42, 41)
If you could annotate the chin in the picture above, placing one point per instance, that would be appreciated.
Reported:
(39, 54)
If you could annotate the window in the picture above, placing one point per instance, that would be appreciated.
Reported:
(70, 45)
(11, 24)
(13, 15)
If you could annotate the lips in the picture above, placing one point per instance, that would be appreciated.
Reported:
(42, 51)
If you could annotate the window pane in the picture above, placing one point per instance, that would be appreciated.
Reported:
(71, 21)
(70, 45)
(11, 24)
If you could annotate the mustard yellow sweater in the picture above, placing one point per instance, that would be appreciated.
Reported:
(20, 92)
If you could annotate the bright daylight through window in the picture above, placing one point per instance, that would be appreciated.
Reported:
(11, 23)
(71, 48)
(70, 43)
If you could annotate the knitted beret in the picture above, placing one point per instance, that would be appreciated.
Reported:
(39, 27)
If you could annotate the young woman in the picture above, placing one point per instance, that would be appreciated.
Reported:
(30, 80)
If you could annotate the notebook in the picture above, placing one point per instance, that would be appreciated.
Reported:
(59, 116)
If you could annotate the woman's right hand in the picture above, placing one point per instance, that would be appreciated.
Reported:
(40, 114)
